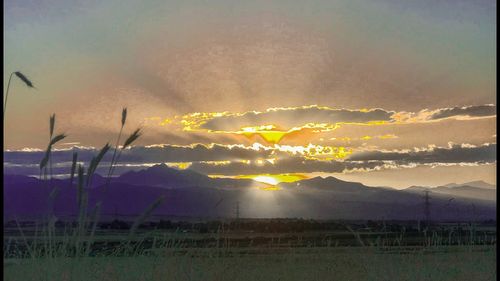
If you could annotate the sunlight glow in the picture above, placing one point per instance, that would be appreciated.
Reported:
(266, 179)
(274, 179)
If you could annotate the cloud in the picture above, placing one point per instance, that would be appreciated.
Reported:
(470, 112)
(454, 153)
(287, 165)
(290, 119)
(295, 116)
(148, 154)
(466, 111)
(239, 160)
(187, 153)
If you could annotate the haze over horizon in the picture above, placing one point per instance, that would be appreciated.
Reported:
(387, 93)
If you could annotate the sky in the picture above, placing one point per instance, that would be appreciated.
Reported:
(384, 92)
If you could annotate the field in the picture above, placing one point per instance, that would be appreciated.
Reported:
(230, 254)
(463, 263)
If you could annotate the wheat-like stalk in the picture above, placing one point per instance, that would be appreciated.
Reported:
(132, 138)
(47, 155)
(145, 214)
(124, 119)
(95, 162)
(23, 78)
(73, 168)
(128, 142)
(52, 124)
(81, 182)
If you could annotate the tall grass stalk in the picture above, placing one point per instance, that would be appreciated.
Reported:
(128, 142)
(356, 235)
(47, 161)
(52, 124)
(124, 119)
(85, 183)
(145, 214)
(30, 250)
(73, 168)
(23, 78)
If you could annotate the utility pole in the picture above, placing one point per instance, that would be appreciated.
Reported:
(427, 209)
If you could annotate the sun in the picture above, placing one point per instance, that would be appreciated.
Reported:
(266, 179)
(273, 179)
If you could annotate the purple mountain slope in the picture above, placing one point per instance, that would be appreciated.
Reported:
(478, 184)
(188, 193)
(458, 191)
(164, 176)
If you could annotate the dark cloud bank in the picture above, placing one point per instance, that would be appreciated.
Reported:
(24, 162)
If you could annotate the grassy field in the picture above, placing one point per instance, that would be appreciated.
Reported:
(158, 255)
(335, 263)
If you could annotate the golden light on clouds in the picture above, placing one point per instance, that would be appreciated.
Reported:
(297, 130)
(274, 133)
(156, 120)
(180, 165)
(318, 152)
(267, 132)
(274, 179)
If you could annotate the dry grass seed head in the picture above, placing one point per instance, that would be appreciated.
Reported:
(133, 137)
(24, 79)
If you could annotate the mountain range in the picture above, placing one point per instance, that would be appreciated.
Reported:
(476, 190)
(191, 194)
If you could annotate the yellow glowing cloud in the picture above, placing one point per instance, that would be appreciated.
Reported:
(388, 136)
(157, 121)
(193, 121)
(180, 165)
(272, 134)
(273, 179)
(270, 188)
(165, 122)
(266, 132)
(348, 139)
(310, 151)
(217, 163)
(269, 133)
(317, 152)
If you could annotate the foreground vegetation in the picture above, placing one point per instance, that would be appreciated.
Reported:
(336, 263)
(52, 253)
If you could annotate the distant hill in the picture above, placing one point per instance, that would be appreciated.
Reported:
(468, 190)
(163, 176)
(191, 194)
(478, 184)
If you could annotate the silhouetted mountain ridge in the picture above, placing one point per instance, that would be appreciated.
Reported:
(188, 193)
(455, 190)
(477, 184)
